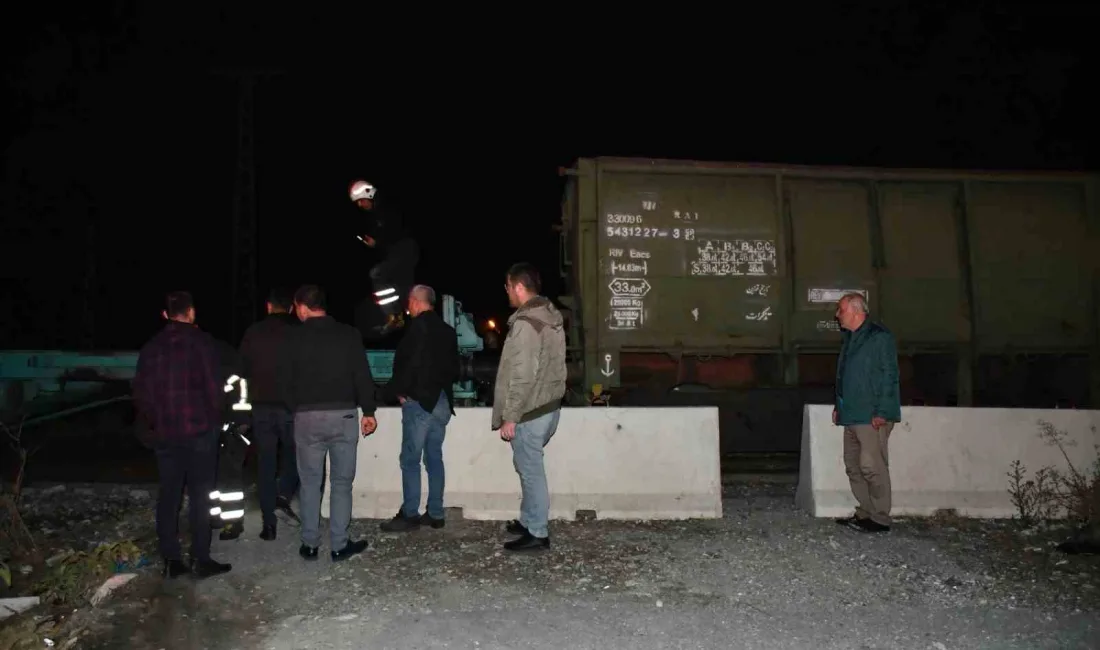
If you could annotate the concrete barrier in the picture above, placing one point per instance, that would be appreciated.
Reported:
(623, 463)
(944, 458)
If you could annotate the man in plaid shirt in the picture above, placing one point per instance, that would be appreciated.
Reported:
(178, 396)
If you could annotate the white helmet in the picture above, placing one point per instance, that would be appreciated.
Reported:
(361, 190)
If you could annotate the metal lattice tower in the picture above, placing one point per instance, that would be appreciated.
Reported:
(244, 303)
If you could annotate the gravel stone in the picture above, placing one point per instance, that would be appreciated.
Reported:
(764, 576)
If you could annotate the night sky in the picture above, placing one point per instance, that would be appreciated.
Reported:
(120, 139)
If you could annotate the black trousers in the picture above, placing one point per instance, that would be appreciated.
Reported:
(230, 480)
(192, 463)
(394, 275)
(272, 425)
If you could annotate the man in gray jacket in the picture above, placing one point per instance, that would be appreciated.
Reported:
(527, 399)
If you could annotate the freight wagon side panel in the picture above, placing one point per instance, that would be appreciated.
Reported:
(923, 298)
(728, 274)
(830, 221)
(691, 261)
(1031, 261)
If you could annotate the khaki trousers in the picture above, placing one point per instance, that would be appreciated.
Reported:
(867, 463)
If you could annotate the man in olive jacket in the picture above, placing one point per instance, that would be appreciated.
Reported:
(527, 397)
(867, 406)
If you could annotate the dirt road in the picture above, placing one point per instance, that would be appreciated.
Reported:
(765, 576)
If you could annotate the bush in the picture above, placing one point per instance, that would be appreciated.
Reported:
(15, 539)
(1051, 493)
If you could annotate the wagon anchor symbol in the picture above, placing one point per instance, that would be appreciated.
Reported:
(606, 371)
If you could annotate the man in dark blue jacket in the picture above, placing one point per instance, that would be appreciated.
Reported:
(867, 405)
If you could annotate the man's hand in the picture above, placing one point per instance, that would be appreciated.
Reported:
(508, 431)
(878, 422)
(401, 398)
(368, 425)
(834, 415)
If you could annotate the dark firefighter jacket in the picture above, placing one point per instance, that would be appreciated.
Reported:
(231, 365)
(398, 253)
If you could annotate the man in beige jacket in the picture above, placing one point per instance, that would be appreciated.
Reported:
(527, 399)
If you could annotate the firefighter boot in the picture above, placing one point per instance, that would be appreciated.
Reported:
(231, 530)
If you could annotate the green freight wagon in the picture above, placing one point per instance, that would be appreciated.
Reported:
(716, 283)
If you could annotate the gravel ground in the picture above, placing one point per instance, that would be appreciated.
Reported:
(765, 576)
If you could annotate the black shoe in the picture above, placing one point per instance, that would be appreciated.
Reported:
(284, 512)
(528, 542)
(516, 528)
(175, 569)
(400, 523)
(231, 531)
(868, 526)
(1075, 547)
(847, 521)
(432, 521)
(350, 549)
(308, 552)
(268, 533)
(208, 568)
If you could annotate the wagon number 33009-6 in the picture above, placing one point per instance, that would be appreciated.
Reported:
(629, 219)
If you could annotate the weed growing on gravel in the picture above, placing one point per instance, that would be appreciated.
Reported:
(1056, 493)
(15, 540)
(75, 574)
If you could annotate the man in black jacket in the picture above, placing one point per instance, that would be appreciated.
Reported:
(262, 349)
(425, 368)
(324, 378)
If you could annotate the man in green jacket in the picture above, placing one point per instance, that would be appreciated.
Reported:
(867, 406)
(527, 398)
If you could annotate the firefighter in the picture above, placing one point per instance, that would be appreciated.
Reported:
(227, 499)
(394, 276)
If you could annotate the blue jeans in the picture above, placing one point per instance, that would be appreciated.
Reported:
(527, 457)
(422, 436)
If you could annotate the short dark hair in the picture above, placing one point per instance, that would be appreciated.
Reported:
(177, 303)
(525, 274)
(281, 297)
(311, 297)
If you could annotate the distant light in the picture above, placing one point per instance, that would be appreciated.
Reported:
(492, 324)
